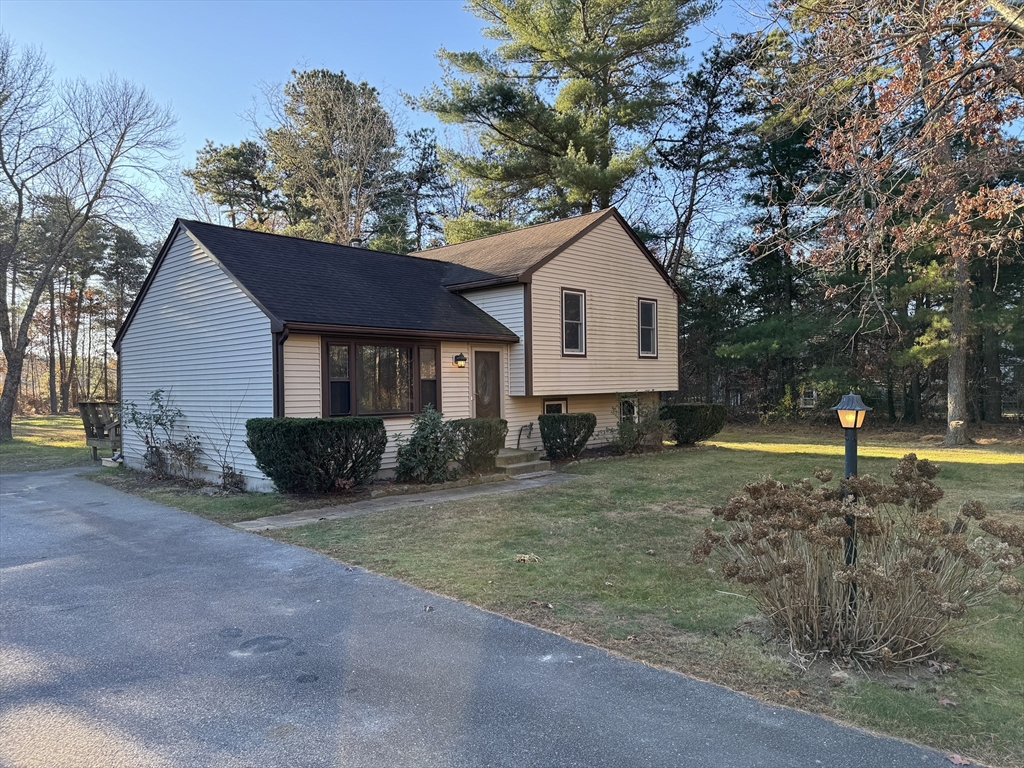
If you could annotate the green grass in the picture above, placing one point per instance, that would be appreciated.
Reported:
(45, 442)
(614, 566)
(225, 509)
(611, 559)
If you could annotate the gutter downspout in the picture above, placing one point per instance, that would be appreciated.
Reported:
(277, 372)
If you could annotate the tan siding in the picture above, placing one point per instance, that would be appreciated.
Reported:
(520, 411)
(199, 338)
(303, 385)
(607, 264)
(505, 304)
(455, 391)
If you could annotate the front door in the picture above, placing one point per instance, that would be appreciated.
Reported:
(487, 379)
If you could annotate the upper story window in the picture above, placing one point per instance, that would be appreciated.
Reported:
(380, 378)
(647, 311)
(574, 322)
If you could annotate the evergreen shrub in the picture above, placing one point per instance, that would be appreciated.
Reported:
(694, 421)
(317, 455)
(477, 442)
(565, 435)
(424, 457)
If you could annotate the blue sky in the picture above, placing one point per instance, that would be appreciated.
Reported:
(207, 59)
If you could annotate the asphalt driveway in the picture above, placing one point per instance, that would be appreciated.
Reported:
(132, 634)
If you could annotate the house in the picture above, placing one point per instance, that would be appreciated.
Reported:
(558, 317)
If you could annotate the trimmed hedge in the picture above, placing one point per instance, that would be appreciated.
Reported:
(317, 455)
(565, 434)
(694, 421)
(478, 442)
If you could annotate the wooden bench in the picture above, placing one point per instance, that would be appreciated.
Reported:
(102, 428)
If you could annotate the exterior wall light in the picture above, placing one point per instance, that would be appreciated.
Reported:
(851, 411)
(459, 360)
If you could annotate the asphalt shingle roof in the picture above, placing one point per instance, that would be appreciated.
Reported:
(509, 254)
(305, 281)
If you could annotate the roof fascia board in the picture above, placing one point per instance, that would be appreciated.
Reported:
(480, 284)
(397, 333)
(276, 325)
(610, 213)
(650, 256)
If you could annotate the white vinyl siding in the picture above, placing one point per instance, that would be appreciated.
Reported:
(614, 272)
(303, 386)
(199, 338)
(506, 305)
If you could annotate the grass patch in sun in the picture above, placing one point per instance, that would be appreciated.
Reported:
(45, 442)
(611, 567)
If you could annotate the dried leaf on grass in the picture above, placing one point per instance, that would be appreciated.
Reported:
(958, 760)
(527, 558)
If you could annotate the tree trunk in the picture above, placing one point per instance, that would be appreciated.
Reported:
(956, 378)
(12, 382)
(53, 353)
(993, 381)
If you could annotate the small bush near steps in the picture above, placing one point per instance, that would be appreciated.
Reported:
(565, 435)
(870, 573)
(477, 442)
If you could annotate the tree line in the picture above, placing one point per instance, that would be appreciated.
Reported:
(838, 194)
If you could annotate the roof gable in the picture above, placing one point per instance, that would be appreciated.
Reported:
(306, 282)
(513, 256)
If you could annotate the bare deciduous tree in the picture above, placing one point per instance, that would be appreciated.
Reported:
(83, 152)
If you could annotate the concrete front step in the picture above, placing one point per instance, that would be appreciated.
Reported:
(509, 456)
(526, 468)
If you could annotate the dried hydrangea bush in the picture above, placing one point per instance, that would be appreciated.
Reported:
(868, 571)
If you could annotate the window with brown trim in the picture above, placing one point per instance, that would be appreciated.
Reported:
(574, 322)
(647, 321)
(380, 378)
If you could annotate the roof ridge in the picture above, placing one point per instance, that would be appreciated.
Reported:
(413, 255)
(511, 231)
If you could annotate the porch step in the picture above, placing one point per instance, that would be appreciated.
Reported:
(509, 456)
(527, 468)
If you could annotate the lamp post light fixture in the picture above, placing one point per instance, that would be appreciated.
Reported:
(459, 360)
(851, 411)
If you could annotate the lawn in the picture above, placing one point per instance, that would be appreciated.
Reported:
(45, 442)
(606, 560)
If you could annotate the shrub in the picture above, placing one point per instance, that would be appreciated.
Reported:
(184, 456)
(317, 455)
(565, 434)
(424, 458)
(477, 442)
(694, 421)
(870, 573)
(649, 431)
(155, 424)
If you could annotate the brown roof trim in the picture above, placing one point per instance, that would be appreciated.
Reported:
(276, 326)
(479, 284)
(650, 257)
(398, 333)
(609, 213)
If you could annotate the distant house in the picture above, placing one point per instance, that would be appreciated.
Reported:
(233, 324)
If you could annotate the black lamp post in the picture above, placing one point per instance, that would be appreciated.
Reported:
(851, 411)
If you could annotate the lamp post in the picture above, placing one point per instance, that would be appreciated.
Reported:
(851, 411)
